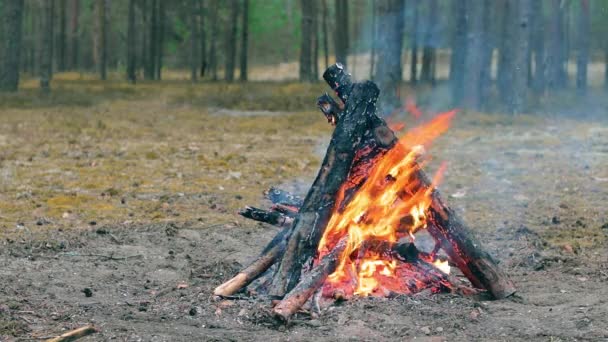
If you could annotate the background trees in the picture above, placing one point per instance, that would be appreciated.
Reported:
(481, 47)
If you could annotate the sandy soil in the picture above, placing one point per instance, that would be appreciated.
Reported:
(141, 260)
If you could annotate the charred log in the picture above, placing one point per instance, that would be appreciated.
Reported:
(278, 196)
(275, 218)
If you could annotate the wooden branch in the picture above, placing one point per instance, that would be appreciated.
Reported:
(267, 258)
(75, 334)
(309, 283)
(274, 218)
(317, 207)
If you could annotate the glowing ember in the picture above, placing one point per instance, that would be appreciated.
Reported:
(391, 204)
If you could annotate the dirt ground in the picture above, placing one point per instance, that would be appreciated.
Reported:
(121, 211)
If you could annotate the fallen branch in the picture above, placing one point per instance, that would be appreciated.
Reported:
(75, 334)
(274, 218)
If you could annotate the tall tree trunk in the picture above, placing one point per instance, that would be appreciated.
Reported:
(372, 57)
(74, 34)
(538, 46)
(507, 50)
(315, 41)
(131, 58)
(474, 57)
(555, 63)
(46, 46)
(519, 70)
(203, 34)
(62, 41)
(582, 58)
(160, 40)
(12, 18)
(193, 41)
(102, 39)
(306, 41)
(231, 39)
(427, 74)
(389, 69)
(244, 40)
(487, 48)
(150, 68)
(459, 50)
(414, 39)
(325, 34)
(213, 40)
(341, 34)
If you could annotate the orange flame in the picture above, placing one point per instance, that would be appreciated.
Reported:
(390, 204)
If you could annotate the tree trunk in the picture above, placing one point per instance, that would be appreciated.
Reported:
(538, 46)
(12, 19)
(231, 39)
(555, 63)
(214, 38)
(131, 58)
(459, 51)
(427, 74)
(474, 56)
(203, 35)
(306, 41)
(62, 41)
(583, 47)
(325, 34)
(341, 34)
(75, 13)
(149, 69)
(144, 55)
(315, 41)
(244, 40)
(389, 69)
(487, 46)
(46, 46)
(505, 61)
(414, 39)
(102, 39)
(519, 70)
(160, 42)
(193, 41)
(372, 57)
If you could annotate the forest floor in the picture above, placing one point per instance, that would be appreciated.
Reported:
(118, 208)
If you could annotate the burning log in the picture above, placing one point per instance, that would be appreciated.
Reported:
(319, 202)
(272, 217)
(309, 283)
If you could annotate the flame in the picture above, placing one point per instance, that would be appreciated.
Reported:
(390, 204)
(443, 266)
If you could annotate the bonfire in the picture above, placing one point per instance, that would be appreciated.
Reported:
(354, 233)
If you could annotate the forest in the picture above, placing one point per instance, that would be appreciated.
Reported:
(165, 173)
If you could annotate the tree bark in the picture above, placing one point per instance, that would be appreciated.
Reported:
(504, 77)
(46, 46)
(131, 58)
(555, 63)
(231, 39)
(414, 39)
(306, 41)
(149, 69)
(244, 41)
(459, 51)
(74, 37)
(487, 46)
(389, 68)
(582, 58)
(102, 38)
(12, 19)
(427, 74)
(193, 41)
(342, 32)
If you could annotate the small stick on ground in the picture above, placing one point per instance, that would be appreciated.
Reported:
(75, 334)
